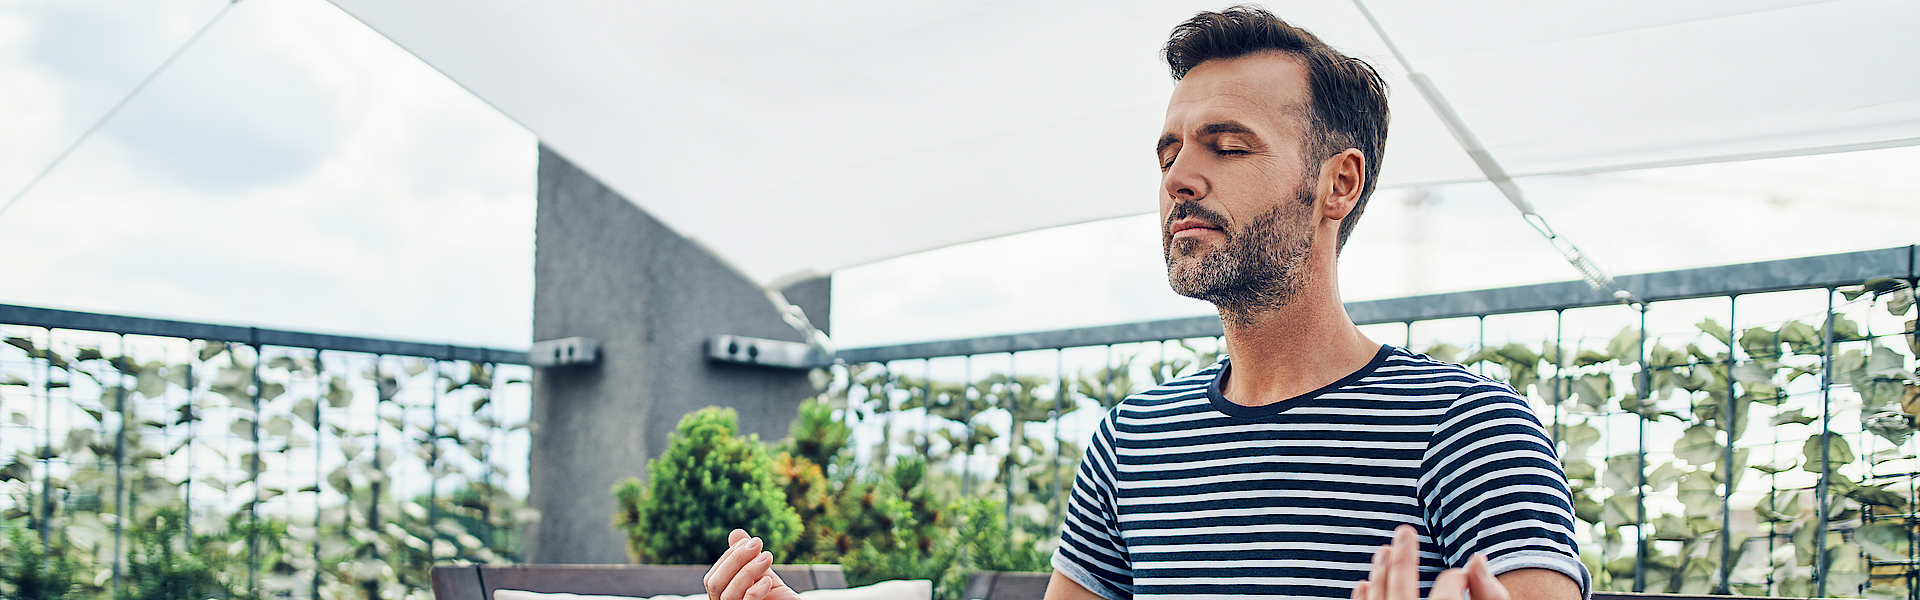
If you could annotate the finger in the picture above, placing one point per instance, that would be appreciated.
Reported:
(732, 575)
(734, 537)
(706, 581)
(749, 575)
(759, 589)
(1450, 585)
(1360, 590)
(1377, 575)
(1481, 582)
(723, 571)
(1403, 564)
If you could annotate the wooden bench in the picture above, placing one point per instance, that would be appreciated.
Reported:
(478, 582)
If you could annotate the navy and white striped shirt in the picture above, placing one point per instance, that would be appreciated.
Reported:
(1184, 494)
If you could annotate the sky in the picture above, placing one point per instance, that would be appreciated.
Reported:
(294, 169)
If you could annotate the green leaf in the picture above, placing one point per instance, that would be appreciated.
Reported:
(1578, 438)
(338, 394)
(1877, 495)
(1715, 329)
(1580, 469)
(1622, 474)
(1619, 509)
(1839, 452)
(1899, 302)
(1778, 506)
(307, 410)
(1663, 476)
(1697, 493)
(1588, 358)
(1624, 345)
(1593, 390)
(243, 429)
(1699, 446)
(1882, 285)
(1797, 417)
(1845, 330)
(1801, 338)
(1760, 343)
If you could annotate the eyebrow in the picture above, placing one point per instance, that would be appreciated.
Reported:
(1225, 127)
(1205, 130)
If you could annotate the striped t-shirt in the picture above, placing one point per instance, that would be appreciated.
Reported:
(1184, 494)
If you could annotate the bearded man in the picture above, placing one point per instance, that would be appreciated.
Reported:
(1281, 470)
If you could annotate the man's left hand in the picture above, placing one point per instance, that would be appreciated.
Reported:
(1396, 575)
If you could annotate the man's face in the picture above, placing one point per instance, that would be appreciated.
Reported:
(1236, 197)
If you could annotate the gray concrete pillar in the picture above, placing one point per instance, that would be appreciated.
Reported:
(607, 270)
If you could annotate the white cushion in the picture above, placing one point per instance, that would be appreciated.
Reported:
(909, 589)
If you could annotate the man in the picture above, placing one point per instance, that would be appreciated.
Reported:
(1279, 472)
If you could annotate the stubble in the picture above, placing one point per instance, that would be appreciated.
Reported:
(1260, 266)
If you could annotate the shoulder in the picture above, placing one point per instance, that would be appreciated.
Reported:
(1173, 395)
(1469, 389)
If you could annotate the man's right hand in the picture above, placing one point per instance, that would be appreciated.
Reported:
(745, 572)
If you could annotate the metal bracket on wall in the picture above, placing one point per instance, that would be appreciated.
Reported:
(764, 352)
(564, 352)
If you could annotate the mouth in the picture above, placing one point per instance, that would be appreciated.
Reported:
(1190, 227)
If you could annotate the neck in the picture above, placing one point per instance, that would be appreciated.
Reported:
(1280, 352)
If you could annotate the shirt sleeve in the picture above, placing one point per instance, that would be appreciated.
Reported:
(1491, 485)
(1091, 551)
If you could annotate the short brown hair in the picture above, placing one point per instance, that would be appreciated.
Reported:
(1349, 99)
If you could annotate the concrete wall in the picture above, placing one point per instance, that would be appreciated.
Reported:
(605, 269)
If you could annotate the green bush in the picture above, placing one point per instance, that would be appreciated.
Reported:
(166, 564)
(709, 482)
(32, 574)
(813, 504)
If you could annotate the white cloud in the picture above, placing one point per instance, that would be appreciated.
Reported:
(294, 169)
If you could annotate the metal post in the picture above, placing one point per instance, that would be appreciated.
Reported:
(1826, 439)
(120, 513)
(885, 458)
(1059, 444)
(1913, 485)
(1559, 373)
(1729, 415)
(45, 524)
(433, 457)
(1640, 490)
(253, 471)
(1016, 430)
(926, 416)
(1481, 368)
(319, 479)
(966, 427)
(372, 586)
(493, 412)
(193, 420)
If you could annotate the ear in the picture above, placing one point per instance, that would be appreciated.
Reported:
(1342, 177)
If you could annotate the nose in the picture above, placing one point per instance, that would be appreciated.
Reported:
(1184, 180)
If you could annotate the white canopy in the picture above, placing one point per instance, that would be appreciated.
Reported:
(795, 137)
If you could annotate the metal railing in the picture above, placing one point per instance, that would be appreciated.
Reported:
(287, 464)
(1806, 365)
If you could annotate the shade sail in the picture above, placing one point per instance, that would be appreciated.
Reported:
(809, 136)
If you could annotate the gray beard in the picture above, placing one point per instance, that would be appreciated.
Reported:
(1262, 266)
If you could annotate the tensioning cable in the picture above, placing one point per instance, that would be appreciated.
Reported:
(116, 107)
(1589, 270)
